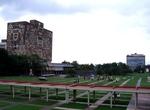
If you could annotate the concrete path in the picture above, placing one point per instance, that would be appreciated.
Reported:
(83, 81)
(96, 82)
(63, 108)
(63, 102)
(62, 92)
(125, 82)
(105, 97)
(143, 102)
(131, 105)
(109, 83)
(139, 82)
(99, 102)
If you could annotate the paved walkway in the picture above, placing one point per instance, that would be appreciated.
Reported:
(62, 92)
(131, 105)
(143, 102)
(139, 82)
(109, 83)
(125, 82)
(63, 108)
(96, 82)
(105, 97)
(63, 102)
(99, 102)
(83, 81)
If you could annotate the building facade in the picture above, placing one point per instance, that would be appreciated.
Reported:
(29, 38)
(58, 68)
(135, 60)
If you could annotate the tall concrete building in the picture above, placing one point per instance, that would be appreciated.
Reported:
(29, 38)
(135, 60)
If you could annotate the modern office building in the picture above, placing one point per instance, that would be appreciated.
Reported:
(29, 38)
(135, 60)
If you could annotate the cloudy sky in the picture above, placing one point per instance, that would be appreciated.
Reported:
(89, 31)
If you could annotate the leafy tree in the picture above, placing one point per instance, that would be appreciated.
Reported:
(112, 69)
(19, 64)
(66, 62)
(140, 69)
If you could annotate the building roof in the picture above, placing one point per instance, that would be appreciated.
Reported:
(136, 55)
(59, 65)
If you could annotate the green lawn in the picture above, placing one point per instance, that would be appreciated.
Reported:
(2, 103)
(134, 78)
(108, 108)
(6, 94)
(42, 102)
(24, 107)
(74, 105)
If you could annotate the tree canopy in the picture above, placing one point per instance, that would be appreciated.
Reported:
(19, 64)
(112, 69)
(101, 69)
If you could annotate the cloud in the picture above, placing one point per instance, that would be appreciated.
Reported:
(16, 8)
(97, 31)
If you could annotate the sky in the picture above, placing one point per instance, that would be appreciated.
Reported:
(87, 31)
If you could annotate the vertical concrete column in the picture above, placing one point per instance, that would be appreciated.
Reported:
(10, 88)
(111, 99)
(40, 92)
(47, 94)
(74, 94)
(25, 89)
(88, 94)
(56, 92)
(67, 96)
(94, 94)
(29, 93)
(13, 92)
(136, 100)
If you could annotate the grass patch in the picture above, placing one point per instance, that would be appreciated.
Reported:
(74, 105)
(24, 107)
(85, 100)
(43, 102)
(57, 97)
(113, 108)
(2, 104)
(118, 102)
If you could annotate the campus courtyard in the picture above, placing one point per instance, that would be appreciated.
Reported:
(43, 98)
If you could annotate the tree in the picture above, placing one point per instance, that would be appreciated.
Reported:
(66, 62)
(140, 69)
(99, 69)
(112, 69)
(19, 64)
(75, 64)
(36, 64)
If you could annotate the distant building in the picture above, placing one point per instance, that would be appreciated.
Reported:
(135, 60)
(29, 38)
(58, 68)
(3, 44)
